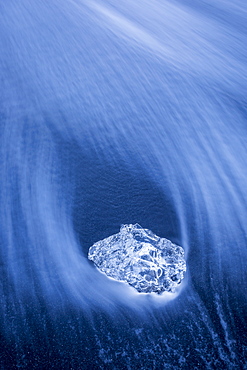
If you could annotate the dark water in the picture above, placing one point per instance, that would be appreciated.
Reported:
(111, 113)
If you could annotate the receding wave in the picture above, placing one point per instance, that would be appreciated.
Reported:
(116, 114)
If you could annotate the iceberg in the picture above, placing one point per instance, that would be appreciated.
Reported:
(140, 258)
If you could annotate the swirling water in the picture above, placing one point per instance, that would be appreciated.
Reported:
(111, 113)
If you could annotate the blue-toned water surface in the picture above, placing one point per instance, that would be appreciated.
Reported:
(117, 112)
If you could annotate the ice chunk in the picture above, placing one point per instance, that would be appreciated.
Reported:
(140, 258)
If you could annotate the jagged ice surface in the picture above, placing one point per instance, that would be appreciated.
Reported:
(140, 258)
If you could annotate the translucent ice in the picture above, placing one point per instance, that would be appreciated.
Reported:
(140, 258)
